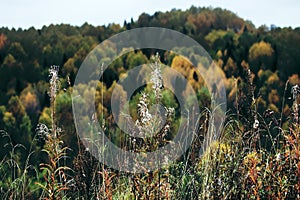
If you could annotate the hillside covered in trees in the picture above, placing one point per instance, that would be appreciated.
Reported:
(236, 46)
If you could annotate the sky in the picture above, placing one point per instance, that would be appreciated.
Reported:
(37, 13)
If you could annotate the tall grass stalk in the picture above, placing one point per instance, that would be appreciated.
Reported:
(55, 178)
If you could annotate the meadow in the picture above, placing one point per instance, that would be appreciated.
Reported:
(255, 156)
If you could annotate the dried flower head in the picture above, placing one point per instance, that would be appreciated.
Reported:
(295, 91)
(143, 110)
(53, 73)
(144, 123)
(156, 76)
(295, 108)
(42, 131)
(255, 124)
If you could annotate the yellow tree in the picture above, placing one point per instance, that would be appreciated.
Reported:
(261, 54)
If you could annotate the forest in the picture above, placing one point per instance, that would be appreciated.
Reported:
(257, 155)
